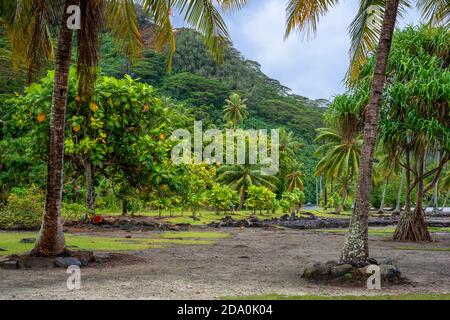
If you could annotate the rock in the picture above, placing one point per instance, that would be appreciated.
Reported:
(28, 240)
(84, 256)
(64, 262)
(360, 273)
(340, 270)
(29, 262)
(9, 264)
(372, 261)
(315, 270)
(389, 261)
(332, 263)
(389, 272)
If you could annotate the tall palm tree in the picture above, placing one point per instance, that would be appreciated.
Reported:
(369, 27)
(27, 23)
(240, 177)
(235, 110)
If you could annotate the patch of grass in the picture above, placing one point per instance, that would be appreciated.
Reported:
(315, 297)
(327, 214)
(424, 249)
(10, 241)
(195, 235)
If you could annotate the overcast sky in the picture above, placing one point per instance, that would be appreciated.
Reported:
(312, 68)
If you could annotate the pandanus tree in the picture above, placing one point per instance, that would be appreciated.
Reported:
(29, 23)
(371, 31)
(415, 120)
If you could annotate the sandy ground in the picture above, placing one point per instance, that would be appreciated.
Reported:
(250, 262)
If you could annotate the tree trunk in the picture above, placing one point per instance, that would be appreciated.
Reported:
(445, 200)
(242, 198)
(398, 207)
(125, 207)
(413, 225)
(356, 246)
(383, 197)
(51, 238)
(90, 196)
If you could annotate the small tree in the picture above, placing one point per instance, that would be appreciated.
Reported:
(222, 198)
(294, 199)
(260, 198)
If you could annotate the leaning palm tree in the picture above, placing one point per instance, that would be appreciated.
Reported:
(240, 177)
(374, 23)
(235, 110)
(29, 23)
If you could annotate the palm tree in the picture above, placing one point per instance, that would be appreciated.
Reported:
(295, 178)
(368, 28)
(341, 157)
(235, 110)
(240, 177)
(28, 24)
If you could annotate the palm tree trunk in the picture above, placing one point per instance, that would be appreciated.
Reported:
(90, 196)
(356, 246)
(242, 198)
(383, 197)
(51, 238)
(398, 207)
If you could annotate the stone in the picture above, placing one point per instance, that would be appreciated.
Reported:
(340, 270)
(64, 262)
(390, 272)
(84, 256)
(332, 263)
(29, 262)
(9, 264)
(28, 240)
(314, 270)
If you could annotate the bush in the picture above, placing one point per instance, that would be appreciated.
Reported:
(24, 210)
(73, 211)
(293, 200)
(222, 198)
(260, 198)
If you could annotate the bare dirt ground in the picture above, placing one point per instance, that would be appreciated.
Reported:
(249, 262)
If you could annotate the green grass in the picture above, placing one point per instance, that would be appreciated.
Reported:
(315, 297)
(424, 249)
(10, 241)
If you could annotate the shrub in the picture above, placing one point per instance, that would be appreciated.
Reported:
(73, 211)
(24, 210)
(260, 198)
(294, 199)
(222, 198)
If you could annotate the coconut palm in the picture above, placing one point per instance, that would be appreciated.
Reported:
(368, 28)
(235, 110)
(240, 177)
(295, 177)
(29, 24)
